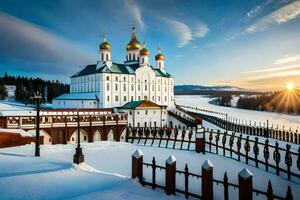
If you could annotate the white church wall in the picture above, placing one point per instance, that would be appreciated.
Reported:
(75, 103)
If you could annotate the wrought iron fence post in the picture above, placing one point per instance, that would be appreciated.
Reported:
(137, 165)
(207, 181)
(245, 185)
(170, 175)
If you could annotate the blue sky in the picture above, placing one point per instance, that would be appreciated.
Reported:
(252, 44)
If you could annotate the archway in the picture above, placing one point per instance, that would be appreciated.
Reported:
(111, 135)
(123, 135)
(97, 136)
(83, 137)
(47, 138)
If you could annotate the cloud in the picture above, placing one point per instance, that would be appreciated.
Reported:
(184, 33)
(200, 30)
(258, 9)
(272, 77)
(279, 16)
(135, 11)
(41, 49)
(287, 59)
(274, 69)
(181, 30)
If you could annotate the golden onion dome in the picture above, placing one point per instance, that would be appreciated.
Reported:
(104, 45)
(134, 44)
(160, 56)
(144, 52)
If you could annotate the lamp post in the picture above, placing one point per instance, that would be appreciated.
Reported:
(37, 98)
(78, 156)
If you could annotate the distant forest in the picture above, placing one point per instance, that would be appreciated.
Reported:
(27, 87)
(279, 101)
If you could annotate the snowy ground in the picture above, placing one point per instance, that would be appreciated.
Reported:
(52, 176)
(287, 121)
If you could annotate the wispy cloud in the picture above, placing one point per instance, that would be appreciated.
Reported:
(200, 30)
(274, 69)
(184, 32)
(258, 9)
(287, 59)
(181, 30)
(272, 77)
(135, 11)
(39, 47)
(281, 15)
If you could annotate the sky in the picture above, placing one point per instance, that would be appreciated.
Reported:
(250, 44)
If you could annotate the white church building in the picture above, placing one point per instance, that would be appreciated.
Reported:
(108, 84)
(143, 91)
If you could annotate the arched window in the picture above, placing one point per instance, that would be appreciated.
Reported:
(145, 87)
(107, 87)
(116, 87)
(133, 57)
(143, 60)
(139, 87)
(102, 57)
(107, 56)
(124, 87)
(130, 56)
(159, 64)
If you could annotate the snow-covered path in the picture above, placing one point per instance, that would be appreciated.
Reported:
(53, 176)
(281, 120)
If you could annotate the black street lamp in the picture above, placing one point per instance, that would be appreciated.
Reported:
(78, 156)
(37, 98)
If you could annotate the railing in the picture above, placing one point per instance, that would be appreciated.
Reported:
(172, 185)
(258, 152)
(242, 126)
(190, 122)
(46, 121)
(173, 138)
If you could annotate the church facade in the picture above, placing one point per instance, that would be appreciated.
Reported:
(107, 84)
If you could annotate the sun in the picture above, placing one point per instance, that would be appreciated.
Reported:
(290, 86)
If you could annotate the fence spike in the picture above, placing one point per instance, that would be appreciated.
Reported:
(289, 195)
(225, 177)
(270, 195)
(186, 167)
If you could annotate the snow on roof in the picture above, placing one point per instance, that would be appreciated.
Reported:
(15, 131)
(245, 173)
(138, 153)
(15, 109)
(18, 113)
(207, 165)
(171, 159)
(78, 96)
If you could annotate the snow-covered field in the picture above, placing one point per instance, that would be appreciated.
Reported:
(281, 120)
(107, 171)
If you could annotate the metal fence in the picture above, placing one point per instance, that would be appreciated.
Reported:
(205, 179)
(256, 151)
(243, 126)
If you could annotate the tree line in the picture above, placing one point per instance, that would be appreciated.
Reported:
(278, 101)
(27, 87)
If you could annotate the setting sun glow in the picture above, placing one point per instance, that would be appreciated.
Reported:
(290, 86)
